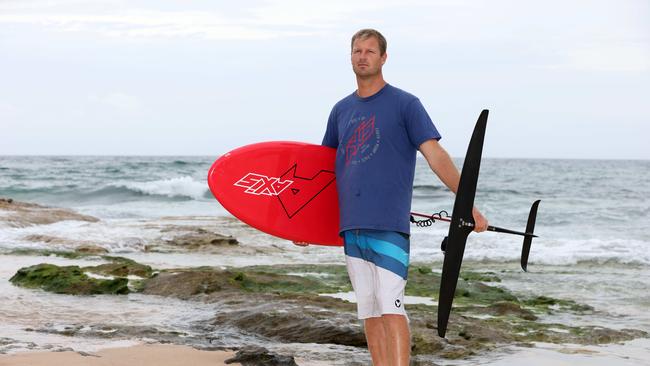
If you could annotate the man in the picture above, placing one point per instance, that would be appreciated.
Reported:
(377, 131)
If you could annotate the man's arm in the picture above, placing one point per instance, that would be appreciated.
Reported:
(442, 165)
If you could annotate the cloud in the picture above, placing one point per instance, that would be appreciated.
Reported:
(143, 24)
(266, 21)
(252, 21)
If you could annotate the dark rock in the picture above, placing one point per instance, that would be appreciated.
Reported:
(502, 308)
(81, 246)
(470, 289)
(121, 267)
(86, 354)
(283, 307)
(91, 249)
(191, 238)
(47, 253)
(600, 335)
(548, 303)
(260, 356)
(478, 276)
(426, 343)
(186, 283)
(306, 326)
(201, 238)
(63, 349)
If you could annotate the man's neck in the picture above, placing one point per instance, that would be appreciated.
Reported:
(369, 87)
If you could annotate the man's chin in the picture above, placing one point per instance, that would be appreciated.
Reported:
(365, 74)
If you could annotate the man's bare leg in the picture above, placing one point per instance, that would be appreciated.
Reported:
(376, 338)
(398, 339)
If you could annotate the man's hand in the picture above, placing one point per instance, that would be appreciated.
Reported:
(480, 222)
(301, 243)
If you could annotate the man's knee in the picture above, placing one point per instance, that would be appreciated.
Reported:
(396, 322)
(394, 317)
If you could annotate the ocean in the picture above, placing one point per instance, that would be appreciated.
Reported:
(593, 244)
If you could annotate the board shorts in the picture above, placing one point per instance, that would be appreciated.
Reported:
(377, 263)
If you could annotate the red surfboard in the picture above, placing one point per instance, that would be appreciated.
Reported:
(286, 189)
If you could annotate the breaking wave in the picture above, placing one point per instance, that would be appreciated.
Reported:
(180, 187)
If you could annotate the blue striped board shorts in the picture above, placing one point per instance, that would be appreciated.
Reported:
(377, 263)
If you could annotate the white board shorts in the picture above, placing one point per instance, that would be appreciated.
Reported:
(378, 290)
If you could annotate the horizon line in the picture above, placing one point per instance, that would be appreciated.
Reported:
(218, 155)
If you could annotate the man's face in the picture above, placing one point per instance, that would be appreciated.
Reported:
(366, 58)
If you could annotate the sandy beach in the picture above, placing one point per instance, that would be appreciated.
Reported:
(142, 355)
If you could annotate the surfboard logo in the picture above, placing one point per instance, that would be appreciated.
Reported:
(259, 184)
(306, 189)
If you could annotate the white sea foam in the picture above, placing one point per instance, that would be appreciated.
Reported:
(630, 353)
(184, 186)
(154, 209)
(549, 251)
(113, 235)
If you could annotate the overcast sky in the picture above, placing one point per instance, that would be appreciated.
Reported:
(562, 79)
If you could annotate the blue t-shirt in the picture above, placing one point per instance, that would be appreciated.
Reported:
(377, 139)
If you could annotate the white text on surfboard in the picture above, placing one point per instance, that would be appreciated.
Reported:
(259, 184)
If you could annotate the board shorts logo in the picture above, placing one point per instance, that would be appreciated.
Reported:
(259, 184)
(360, 147)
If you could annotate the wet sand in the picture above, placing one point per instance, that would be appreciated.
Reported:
(142, 355)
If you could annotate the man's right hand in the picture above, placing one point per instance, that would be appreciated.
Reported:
(480, 222)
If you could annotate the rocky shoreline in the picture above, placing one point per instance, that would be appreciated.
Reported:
(269, 302)
(286, 303)
(22, 214)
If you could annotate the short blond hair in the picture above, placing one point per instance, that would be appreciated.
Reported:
(367, 33)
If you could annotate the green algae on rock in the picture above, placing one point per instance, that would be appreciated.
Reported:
(471, 288)
(251, 279)
(480, 276)
(548, 304)
(75, 280)
(118, 266)
(67, 280)
(121, 267)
